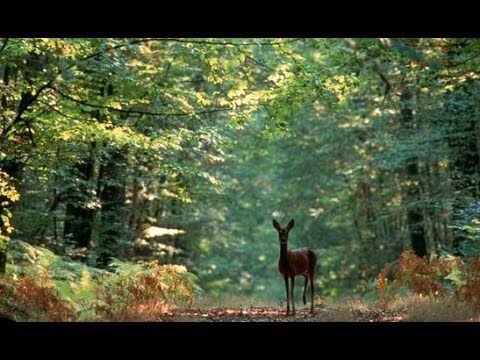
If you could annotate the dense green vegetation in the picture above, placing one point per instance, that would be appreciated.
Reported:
(128, 160)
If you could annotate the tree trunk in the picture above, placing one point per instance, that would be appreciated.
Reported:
(3, 259)
(412, 197)
(138, 208)
(11, 168)
(112, 198)
(466, 165)
(79, 215)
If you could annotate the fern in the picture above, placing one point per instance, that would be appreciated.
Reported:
(74, 290)
(86, 279)
(456, 278)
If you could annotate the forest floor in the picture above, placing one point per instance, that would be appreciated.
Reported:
(414, 308)
(276, 314)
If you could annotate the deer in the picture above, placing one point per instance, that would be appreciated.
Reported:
(295, 262)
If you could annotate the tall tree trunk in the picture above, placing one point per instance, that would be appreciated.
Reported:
(412, 197)
(3, 208)
(112, 198)
(11, 168)
(79, 216)
(465, 170)
(138, 209)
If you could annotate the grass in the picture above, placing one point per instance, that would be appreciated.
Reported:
(435, 309)
(417, 308)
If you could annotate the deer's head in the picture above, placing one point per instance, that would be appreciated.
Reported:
(283, 233)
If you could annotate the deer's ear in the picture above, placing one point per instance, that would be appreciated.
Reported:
(290, 225)
(276, 225)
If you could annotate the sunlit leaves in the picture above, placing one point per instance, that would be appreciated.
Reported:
(8, 196)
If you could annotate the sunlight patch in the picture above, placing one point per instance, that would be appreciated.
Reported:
(154, 231)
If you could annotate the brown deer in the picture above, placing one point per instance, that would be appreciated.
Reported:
(293, 263)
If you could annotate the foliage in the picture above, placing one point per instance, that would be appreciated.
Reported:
(142, 291)
(369, 144)
(468, 289)
(445, 277)
(40, 286)
(8, 196)
(414, 273)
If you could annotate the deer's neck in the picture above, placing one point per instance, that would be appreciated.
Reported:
(283, 252)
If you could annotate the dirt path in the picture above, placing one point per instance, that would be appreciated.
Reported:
(272, 314)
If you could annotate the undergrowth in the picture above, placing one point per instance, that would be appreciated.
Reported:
(41, 286)
(448, 281)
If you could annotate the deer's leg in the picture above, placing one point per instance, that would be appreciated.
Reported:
(292, 287)
(305, 290)
(312, 289)
(288, 295)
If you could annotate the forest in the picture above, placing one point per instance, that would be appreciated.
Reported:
(155, 179)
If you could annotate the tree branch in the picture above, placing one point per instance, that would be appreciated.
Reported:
(187, 41)
(140, 112)
(388, 86)
(257, 61)
(210, 42)
(30, 133)
(26, 100)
